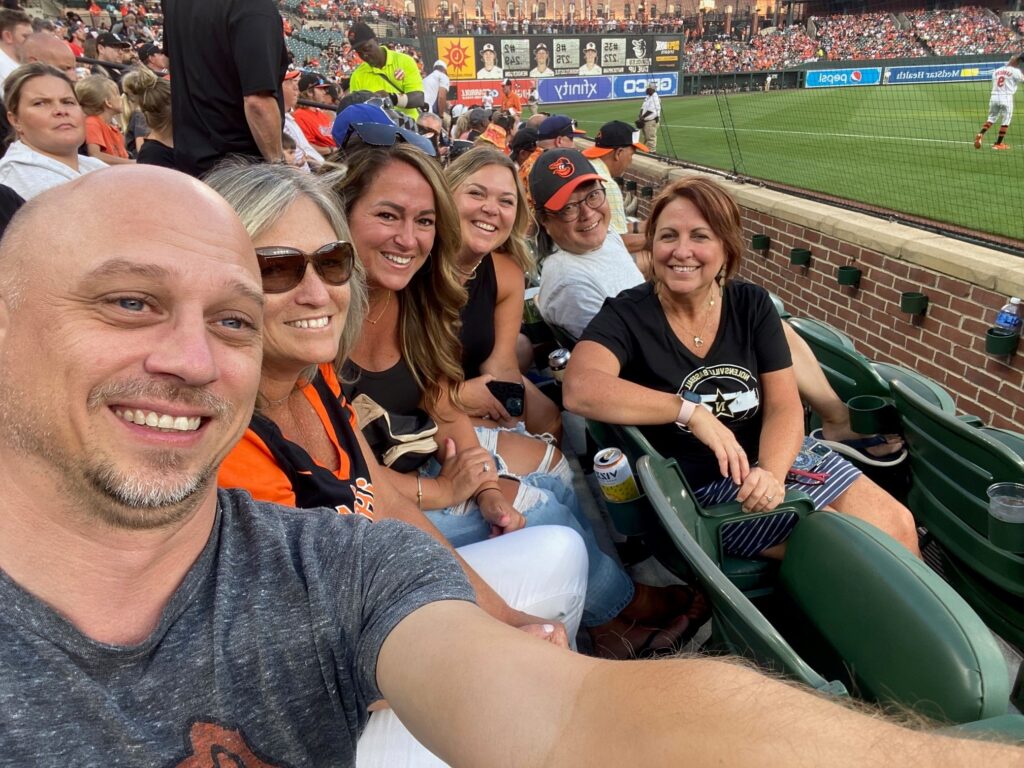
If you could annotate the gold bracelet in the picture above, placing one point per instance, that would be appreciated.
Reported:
(419, 493)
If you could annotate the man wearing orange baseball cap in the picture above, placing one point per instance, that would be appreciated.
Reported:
(611, 155)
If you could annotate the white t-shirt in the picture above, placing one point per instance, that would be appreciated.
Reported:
(1005, 81)
(590, 69)
(433, 85)
(30, 173)
(652, 104)
(292, 128)
(573, 286)
(7, 65)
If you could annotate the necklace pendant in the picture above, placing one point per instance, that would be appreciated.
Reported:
(698, 341)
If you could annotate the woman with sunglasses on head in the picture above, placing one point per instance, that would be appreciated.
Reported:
(700, 361)
(303, 447)
(405, 227)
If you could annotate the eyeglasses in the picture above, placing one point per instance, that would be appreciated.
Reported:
(571, 211)
(283, 268)
(379, 135)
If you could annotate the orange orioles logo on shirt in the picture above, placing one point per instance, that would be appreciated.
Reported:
(362, 499)
(214, 746)
(562, 167)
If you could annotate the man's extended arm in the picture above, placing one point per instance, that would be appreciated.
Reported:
(449, 672)
(263, 115)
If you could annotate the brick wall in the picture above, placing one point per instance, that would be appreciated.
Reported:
(949, 343)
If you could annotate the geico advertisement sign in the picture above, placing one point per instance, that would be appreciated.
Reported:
(631, 86)
(836, 78)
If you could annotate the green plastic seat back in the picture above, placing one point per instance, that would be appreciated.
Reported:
(848, 371)
(905, 636)
(780, 308)
(951, 466)
(562, 337)
(737, 624)
(926, 388)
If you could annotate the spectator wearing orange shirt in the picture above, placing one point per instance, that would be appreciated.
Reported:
(315, 123)
(510, 101)
(101, 101)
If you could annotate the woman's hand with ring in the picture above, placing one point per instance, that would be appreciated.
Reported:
(465, 471)
(761, 491)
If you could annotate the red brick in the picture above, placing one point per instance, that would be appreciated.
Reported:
(953, 286)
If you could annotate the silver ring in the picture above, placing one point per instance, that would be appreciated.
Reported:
(487, 467)
(769, 498)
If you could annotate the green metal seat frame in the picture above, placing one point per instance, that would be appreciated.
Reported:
(952, 464)
(754, 576)
(899, 633)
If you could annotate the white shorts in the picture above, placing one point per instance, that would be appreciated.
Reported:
(1000, 109)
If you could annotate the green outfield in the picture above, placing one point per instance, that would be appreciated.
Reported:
(904, 148)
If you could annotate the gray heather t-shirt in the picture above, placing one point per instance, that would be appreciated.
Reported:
(266, 655)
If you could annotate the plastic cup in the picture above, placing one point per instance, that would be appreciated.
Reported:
(1006, 516)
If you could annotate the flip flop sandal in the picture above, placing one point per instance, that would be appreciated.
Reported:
(648, 649)
(856, 450)
(681, 599)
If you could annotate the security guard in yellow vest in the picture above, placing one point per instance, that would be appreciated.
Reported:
(385, 72)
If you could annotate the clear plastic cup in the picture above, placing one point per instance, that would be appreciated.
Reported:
(1006, 502)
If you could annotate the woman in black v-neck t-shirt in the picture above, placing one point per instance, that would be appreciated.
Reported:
(699, 361)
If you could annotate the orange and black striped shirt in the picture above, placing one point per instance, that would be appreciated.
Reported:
(273, 468)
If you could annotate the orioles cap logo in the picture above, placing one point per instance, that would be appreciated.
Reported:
(562, 167)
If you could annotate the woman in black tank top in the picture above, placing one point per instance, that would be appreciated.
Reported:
(491, 264)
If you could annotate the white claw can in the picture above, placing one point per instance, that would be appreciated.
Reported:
(614, 476)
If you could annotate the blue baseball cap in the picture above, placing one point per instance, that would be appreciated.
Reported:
(558, 125)
(357, 113)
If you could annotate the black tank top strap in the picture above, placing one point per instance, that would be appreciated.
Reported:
(477, 334)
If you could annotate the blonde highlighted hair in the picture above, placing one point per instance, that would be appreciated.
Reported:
(429, 306)
(149, 94)
(466, 165)
(262, 193)
(94, 91)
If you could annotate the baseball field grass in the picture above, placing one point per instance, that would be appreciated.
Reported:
(908, 149)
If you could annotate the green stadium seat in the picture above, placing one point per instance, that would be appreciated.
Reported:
(847, 370)
(737, 626)
(874, 612)
(755, 577)
(860, 590)
(952, 464)
(925, 387)
(562, 336)
(779, 306)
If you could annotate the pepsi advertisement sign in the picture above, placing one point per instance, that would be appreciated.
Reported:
(940, 73)
(555, 90)
(635, 86)
(838, 78)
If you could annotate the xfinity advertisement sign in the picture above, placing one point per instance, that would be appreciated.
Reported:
(837, 78)
(563, 89)
(635, 86)
(559, 90)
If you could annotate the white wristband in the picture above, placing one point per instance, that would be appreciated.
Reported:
(403, 100)
(686, 409)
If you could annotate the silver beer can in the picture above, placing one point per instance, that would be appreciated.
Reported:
(557, 361)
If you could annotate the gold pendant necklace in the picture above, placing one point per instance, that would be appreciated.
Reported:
(387, 301)
(698, 338)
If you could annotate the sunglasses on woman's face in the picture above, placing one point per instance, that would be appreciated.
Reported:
(283, 268)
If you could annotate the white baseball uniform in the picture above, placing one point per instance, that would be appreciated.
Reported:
(1004, 85)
